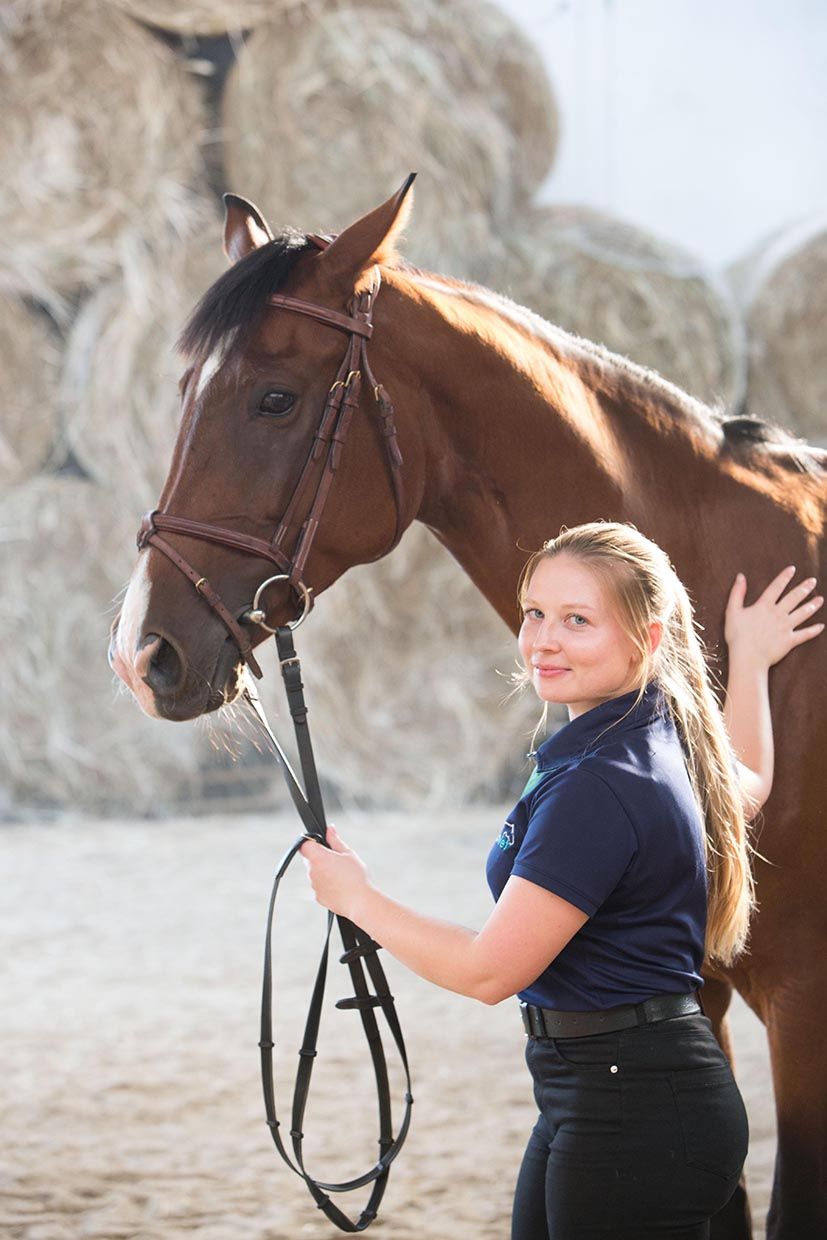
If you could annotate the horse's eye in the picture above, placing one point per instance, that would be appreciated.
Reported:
(276, 404)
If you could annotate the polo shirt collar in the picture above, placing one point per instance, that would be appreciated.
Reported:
(575, 738)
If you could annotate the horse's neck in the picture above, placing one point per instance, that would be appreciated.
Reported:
(530, 429)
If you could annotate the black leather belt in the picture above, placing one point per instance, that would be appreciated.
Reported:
(547, 1023)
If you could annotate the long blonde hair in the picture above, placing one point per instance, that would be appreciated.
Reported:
(641, 582)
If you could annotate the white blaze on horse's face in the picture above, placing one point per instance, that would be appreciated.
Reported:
(124, 650)
(208, 368)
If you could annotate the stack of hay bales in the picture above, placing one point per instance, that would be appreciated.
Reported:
(114, 229)
(782, 286)
(104, 159)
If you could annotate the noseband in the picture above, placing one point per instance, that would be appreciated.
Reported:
(328, 445)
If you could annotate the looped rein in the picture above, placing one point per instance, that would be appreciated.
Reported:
(359, 955)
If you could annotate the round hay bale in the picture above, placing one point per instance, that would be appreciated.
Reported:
(503, 64)
(782, 286)
(101, 131)
(612, 283)
(482, 50)
(390, 88)
(416, 716)
(66, 734)
(29, 364)
(119, 384)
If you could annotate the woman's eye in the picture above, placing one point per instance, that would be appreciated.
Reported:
(276, 404)
(533, 613)
(574, 616)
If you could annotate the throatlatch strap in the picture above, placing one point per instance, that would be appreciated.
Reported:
(360, 953)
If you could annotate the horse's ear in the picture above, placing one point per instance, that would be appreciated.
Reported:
(245, 228)
(371, 239)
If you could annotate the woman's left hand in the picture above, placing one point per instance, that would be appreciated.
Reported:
(766, 631)
(339, 878)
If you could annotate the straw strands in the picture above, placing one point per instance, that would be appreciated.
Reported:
(64, 735)
(401, 661)
(101, 130)
(206, 17)
(29, 359)
(119, 385)
(783, 289)
(361, 95)
(610, 282)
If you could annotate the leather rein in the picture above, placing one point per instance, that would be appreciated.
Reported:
(360, 951)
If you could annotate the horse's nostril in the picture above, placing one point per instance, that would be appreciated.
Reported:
(158, 665)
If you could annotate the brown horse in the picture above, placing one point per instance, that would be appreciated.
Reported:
(508, 427)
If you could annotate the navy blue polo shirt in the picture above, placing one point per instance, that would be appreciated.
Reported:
(609, 822)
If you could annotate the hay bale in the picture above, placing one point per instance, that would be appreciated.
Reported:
(414, 715)
(66, 734)
(29, 360)
(502, 64)
(640, 296)
(365, 93)
(119, 384)
(101, 130)
(782, 286)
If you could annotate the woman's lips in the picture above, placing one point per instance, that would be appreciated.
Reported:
(552, 671)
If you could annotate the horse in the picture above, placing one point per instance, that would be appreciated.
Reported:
(503, 427)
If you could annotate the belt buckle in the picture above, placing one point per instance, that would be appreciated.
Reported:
(533, 1022)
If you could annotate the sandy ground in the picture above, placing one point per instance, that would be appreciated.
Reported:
(130, 1102)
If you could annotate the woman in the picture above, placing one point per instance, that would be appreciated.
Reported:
(625, 863)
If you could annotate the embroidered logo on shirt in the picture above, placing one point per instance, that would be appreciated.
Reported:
(506, 839)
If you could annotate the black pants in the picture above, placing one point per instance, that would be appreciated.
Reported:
(642, 1132)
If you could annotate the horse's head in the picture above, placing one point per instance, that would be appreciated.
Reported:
(278, 378)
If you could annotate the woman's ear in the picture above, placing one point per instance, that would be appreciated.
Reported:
(655, 635)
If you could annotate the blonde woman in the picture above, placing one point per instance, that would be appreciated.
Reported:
(625, 863)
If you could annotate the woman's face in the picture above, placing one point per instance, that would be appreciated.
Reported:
(570, 641)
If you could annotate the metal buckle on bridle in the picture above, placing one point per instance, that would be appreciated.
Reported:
(256, 615)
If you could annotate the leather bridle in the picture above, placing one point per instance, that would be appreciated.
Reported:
(328, 444)
(360, 951)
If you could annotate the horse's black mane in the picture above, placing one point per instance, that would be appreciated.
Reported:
(237, 298)
(749, 433)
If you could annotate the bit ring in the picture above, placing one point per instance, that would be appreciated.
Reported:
(257, 616)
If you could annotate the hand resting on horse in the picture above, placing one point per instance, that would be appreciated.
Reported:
(758, 637)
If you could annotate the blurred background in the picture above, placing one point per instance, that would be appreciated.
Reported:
(650, 175)
(647, 175)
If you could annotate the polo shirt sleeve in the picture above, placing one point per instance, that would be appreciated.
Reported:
(579, 840)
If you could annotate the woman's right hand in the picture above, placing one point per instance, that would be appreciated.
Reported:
(766, 631)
